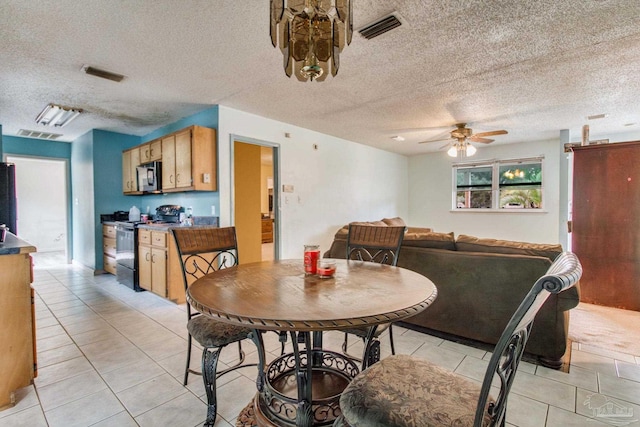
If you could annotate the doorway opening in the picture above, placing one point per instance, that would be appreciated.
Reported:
(255, 199)
(42, 208)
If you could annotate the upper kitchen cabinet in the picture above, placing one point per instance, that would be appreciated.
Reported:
(130, 160)
(189, 160)
(151, 151)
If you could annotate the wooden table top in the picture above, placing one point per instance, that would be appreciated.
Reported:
(276, 295)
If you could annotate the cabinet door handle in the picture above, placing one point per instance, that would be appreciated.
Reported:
(153, 258)
(146, 256)
(177, 178)
(171, 179)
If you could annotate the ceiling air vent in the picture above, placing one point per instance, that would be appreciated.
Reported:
(38, 134)
(381, 26)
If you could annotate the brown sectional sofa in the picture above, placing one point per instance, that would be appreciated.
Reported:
(480, 284)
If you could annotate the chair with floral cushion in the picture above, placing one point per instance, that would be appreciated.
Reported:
(379, 244)
(406, 391)
(203, 251)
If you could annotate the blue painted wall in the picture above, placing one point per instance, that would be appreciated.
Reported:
(107, 180)
(1, 149)
(200, 202)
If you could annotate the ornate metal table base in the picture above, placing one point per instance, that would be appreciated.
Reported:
(330, 374)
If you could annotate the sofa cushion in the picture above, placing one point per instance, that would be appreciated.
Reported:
(476, 244)
(394, 222)
(430, 239)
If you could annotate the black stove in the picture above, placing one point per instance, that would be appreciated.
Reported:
(127, 244)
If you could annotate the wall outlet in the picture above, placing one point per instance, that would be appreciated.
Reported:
(206, 178)
(287, 188)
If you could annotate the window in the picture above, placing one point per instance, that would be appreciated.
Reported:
(500, 184)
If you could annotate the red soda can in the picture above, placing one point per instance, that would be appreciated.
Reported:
(311, 257)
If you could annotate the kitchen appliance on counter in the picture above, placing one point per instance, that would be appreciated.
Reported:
(168, 213)
(116, 216)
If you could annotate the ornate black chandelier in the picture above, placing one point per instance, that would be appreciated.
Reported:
(312, 34)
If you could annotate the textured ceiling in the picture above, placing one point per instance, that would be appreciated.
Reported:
(530, 67)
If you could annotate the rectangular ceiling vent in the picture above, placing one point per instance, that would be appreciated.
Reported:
(381, 26)
(103, 74)
(38, 134)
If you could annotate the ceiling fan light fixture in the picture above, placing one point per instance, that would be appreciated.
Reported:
(470, 150)
(312, 33)
(453, 151)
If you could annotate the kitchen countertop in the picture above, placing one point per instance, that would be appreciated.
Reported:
(169, 226)
(14, 245)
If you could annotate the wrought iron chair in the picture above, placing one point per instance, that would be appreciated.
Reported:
(405, 391)
(203, 251)
(373, 244)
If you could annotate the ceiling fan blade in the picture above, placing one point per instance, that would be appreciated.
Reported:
(445, 146)
(482, 140)
(491, 133)
(434, 140)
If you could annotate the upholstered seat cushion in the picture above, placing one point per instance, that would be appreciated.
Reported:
(405, 391)
(213, 333)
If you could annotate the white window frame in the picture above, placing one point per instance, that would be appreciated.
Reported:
(495, 184)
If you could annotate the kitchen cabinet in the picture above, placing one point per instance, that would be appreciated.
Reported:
(151, 151)
(109, 248)
(18, 363)
(188, 156)
(130, 160)
(267, 230)
(159, 269)
(189, 160)
(152, 261)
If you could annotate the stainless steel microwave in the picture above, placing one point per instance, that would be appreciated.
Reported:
(150, 177)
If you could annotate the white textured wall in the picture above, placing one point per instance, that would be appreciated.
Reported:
(341, 181)
(430, 192)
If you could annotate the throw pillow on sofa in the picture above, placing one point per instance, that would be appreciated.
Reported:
(476, 244)
(430, 239)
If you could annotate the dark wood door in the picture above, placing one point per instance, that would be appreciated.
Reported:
(606, 223)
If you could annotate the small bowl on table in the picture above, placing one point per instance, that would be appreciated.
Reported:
(326, 268)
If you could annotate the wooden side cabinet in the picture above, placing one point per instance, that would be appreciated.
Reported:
(17, 326)
(130, 160)
(267, 230)
(152, 261)
(109, 248)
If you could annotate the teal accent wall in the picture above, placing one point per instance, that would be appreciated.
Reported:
(17, 145)
(201, 202)
(1, 149)
(96, 162)
(107, 180)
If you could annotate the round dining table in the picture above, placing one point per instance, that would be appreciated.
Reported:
(302, 388)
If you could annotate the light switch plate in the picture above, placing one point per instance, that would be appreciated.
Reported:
(287, 188)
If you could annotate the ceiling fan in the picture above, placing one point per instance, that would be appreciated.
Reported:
(463, 135)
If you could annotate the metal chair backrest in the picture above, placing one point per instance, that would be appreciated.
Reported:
(564, 273)
(375, 243)
(204, 250)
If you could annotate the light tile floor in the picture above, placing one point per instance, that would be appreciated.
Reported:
(109, 356)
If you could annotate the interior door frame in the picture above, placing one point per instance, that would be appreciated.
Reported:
(67, 193)
(233, 138)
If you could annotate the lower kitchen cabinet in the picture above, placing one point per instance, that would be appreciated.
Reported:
(17, 326)
(152, 261)
(109, 248)
(159, 269)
